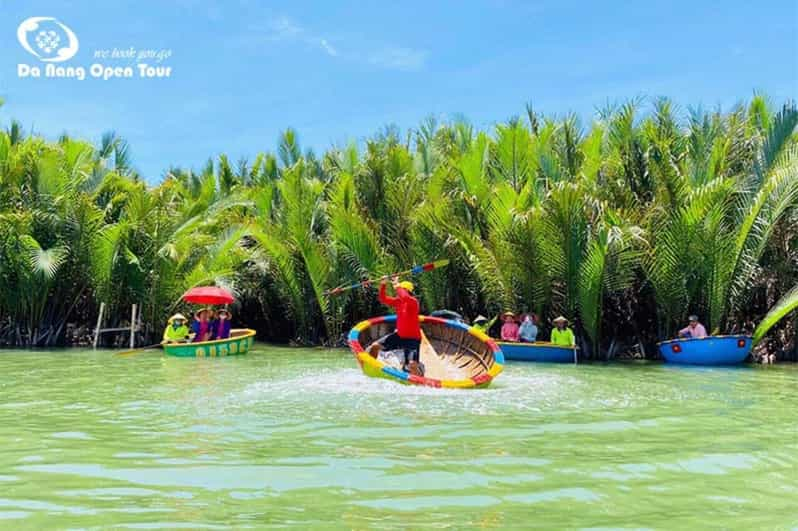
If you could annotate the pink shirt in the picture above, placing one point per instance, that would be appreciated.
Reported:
(698, 332)
(510, 331)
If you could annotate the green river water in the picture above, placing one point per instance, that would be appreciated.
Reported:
(301, 438)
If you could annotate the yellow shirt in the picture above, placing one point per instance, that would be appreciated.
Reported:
(564, 337)
(175, 334)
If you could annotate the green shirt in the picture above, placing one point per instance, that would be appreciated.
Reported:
(484, 327)
(175, 334)
(563, 337)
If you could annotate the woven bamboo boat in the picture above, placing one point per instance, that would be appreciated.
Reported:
(454, 354)
(539, 351)
(710, 350)
(239, 342)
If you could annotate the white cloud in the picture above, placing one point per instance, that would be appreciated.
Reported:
(399, 58)
(287, 30)
(284, 29)
(328, 48)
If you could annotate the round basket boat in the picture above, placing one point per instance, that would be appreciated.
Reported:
(239, 342)
(454, 354)
(539, 351)
(710, 350)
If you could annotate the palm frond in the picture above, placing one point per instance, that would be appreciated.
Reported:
(781, 309)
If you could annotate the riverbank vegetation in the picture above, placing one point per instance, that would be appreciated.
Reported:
(626, 225)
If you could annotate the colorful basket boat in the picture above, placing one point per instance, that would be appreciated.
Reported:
(711, 350)
(539, 351)
(454, 354)
(239, 342)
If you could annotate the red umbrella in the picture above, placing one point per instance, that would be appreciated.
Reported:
(208, 295)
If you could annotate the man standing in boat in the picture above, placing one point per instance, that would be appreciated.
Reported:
(407, 335)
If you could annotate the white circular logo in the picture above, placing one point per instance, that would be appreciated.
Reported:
(48, 39)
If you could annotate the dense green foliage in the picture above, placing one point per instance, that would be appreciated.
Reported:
(626, 226)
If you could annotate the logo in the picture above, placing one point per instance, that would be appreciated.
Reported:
(48, 39)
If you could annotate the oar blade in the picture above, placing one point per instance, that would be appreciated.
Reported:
(138, 350)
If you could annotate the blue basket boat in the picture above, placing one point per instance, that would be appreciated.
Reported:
(711, 350)
(539, 351)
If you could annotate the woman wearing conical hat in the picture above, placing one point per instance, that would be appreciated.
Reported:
(483, 324)
(176, 330)
(562, 334)
(509, 328)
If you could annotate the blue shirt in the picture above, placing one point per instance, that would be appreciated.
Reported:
(528, 331)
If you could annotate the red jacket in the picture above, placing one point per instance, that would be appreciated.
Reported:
(406, 312)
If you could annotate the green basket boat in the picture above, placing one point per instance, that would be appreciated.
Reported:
(239, 342)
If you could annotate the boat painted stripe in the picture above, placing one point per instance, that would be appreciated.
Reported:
(495, 370)
(481, 379)
(420, 380)
(396, 373)
(456, 324)
(479, 334)
(458, 384)
(356, 346)
(366, 358)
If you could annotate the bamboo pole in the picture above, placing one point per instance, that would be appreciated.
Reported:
(133, 326)
(99, 323)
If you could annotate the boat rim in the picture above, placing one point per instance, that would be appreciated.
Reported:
(248, 332)
(686, 339)
(547, 344)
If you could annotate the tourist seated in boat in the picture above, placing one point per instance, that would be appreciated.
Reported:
(176, 330)
(528, 331)
(562, 334)
(694, 329)
(407, 336)
(201, 326)
(220, 327)
(509, 328)
(482, 324)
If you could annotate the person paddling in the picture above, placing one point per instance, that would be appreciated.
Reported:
(408, 332)
(176, 330)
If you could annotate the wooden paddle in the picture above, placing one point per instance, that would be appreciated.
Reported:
(416, 270)
(137, 350)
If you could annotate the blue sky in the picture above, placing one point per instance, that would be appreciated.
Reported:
(339, 71)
